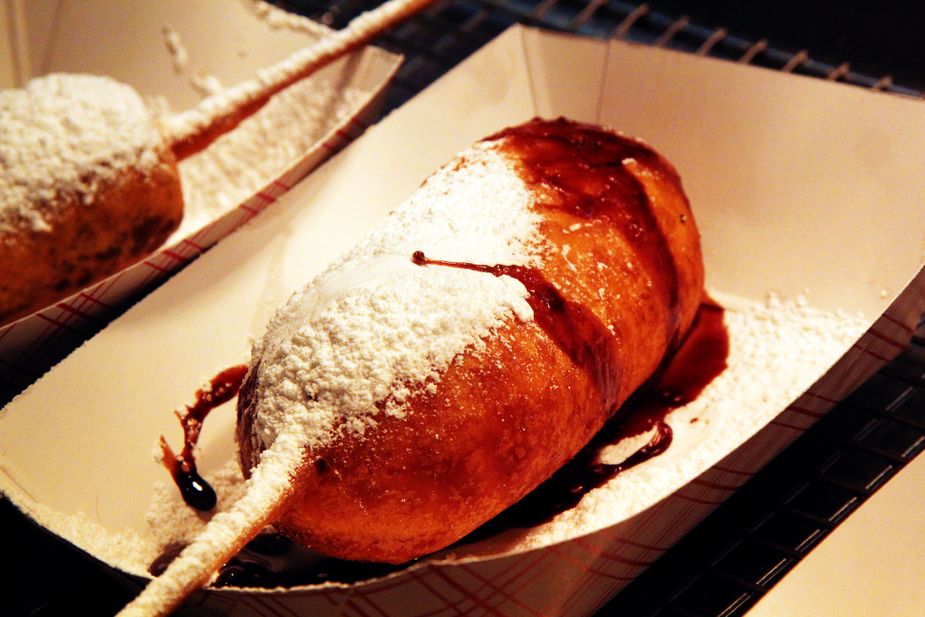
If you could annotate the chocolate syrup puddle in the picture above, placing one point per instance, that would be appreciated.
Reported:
(584, 172)
(273, 560)
(195, 491)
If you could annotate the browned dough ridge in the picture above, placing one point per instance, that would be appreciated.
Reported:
(502, 421)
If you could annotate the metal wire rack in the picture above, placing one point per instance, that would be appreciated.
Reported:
(729, 561)
(452, 29)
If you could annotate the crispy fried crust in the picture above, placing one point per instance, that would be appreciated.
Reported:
(502, 421)
(126, 219)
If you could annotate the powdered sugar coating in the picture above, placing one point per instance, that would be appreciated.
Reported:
(374, 324)
(68, 132)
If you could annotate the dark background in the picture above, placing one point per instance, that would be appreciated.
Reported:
(875, 37)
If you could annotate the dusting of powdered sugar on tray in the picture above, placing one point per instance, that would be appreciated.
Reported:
(261, 148)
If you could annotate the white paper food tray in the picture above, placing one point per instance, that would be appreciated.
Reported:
(226, 40)
(797, 188)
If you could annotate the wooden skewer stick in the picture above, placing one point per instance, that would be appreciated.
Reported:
(226, 534)
(193, 130)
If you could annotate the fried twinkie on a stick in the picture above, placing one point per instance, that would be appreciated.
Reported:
(465, 350)
(88, 174)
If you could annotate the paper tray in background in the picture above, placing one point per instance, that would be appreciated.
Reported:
(797, 189)
(226, 40)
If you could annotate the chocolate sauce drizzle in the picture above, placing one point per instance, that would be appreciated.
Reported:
(195, 490)
(581, 335)
(587, 173)
(583, 171)
(572, 326)
(700, 358)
